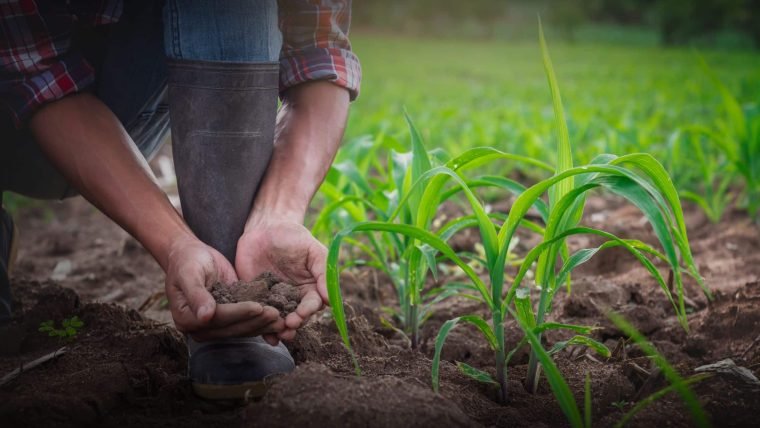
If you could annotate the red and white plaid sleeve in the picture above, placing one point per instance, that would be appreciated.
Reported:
(315, 44)
(37, 64)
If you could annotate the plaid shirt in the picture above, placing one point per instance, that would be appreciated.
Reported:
(38, 64)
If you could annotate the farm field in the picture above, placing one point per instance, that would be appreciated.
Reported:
(127, 366)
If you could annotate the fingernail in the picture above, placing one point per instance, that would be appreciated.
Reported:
(203, 311)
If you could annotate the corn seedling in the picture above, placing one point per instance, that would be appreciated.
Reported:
(640, 179)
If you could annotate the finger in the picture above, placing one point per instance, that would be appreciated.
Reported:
(256, 327)
(225, 272)
(233, 313)
(287, 335)
(191, 281)
(317, 269)
(293, 321)
(271, 339)
(311, 302)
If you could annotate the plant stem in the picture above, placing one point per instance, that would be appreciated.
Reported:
(501, 372)
(414, 326)
(534, 370)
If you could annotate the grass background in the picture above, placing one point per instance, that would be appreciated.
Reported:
(618, 98)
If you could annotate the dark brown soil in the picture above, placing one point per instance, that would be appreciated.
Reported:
(126, 369)
(267, 289)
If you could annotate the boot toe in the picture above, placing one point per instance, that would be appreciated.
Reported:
(236, 367)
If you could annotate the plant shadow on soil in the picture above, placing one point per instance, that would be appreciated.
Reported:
(124, 369)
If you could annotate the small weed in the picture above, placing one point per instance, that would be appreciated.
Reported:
(69, 328)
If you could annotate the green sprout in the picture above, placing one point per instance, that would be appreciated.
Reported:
(69, 328)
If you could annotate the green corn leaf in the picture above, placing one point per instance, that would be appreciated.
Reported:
(484, 328)
(557, 383)
(350, 171)
(439, 341)
(478, 375)
(535, 252)
(332, 193)
(503, 183)
(420, 165)
(443, 333)
(478, 156)
(322, 221)
(582, 329)
(583, 255)
(524, 307)
(430, 200)
(661, 180)
(387, 324)
(678, 383)
(564, 151)
(525, 200)
(579, 340)
(513, 351)
(458, 224)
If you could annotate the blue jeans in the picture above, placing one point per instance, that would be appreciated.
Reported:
(132, 75)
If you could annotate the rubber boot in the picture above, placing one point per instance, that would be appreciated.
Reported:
(222, 118)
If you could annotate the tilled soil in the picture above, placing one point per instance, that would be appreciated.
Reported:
(125, 369)
(266, 289)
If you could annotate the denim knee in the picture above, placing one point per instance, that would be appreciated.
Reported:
(232, 31)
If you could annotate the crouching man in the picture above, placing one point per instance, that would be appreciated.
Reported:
(90, 89)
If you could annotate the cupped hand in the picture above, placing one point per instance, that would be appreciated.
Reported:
(288, 250)
(193, 268)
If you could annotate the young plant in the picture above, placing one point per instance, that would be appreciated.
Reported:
(639, 178)
(69, 328)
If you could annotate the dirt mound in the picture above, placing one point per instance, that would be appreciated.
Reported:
(125, 370)
(314, 396)
(118, 366)
(267, 289)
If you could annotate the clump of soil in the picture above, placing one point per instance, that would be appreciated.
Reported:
(266, 289)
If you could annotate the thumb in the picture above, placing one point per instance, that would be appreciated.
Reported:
(317, 269)
(193, 284)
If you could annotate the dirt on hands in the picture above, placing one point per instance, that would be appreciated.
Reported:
(267, 289)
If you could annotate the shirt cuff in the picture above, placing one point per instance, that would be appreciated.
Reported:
(67, 75)
(336, 65)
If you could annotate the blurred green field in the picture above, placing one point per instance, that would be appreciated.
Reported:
(464, 94)
(618, 98)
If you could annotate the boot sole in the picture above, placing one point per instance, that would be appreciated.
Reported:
(243, 391)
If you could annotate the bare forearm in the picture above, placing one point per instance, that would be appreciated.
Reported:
(310, 127)
(87, 143)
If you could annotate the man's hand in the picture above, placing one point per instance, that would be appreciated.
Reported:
(288, 250)
(192, 269)
(309, 129)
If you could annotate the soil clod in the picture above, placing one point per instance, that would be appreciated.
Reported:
(267, 289)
